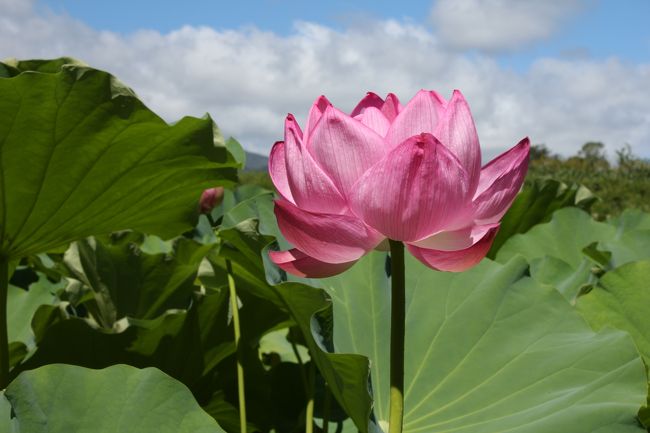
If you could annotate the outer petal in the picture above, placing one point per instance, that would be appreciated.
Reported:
(278, 171)
(300, 264)
(420, 115)
(326, 237)
(456, 130)
(417, 189)
(310, 187)
(455, 261)
(344, 147)
(456, 239)
(315, 113)
(370, 100)
(500, 182)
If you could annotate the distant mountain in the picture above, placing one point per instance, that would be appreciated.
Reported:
(256, 162)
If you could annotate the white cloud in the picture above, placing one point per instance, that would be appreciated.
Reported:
(499, 25)
(248, 79)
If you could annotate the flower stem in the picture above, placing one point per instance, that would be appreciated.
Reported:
(309, 415)
(4, 339)
(397, 332)
(234, 307)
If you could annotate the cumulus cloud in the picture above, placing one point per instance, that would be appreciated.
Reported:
(248, 79)
(499, 25)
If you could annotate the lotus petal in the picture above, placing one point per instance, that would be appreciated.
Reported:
(416, 190)
(344, 147)
(420, 115)
(457, 132)
(311, 188)
(326, 237)
(455, 261)
(301, 265)
(500, 181)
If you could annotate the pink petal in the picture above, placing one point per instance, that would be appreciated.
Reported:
(420, 115)
(310, 187)
(455, 239)
(457, 132)
(344, 147)
(417, 189)
(374, 119)
(300, 264)
(278, 171)
(500, 181)
(315, 113)
(455, 261)
(326, 237)
(370, 100)
(392, 107)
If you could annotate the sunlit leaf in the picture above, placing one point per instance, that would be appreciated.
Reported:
(488, 350)
(118, 399)
(81, 155)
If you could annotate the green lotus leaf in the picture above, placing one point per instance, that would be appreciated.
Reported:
(572, 250)
(81, 155)
(621, 299)
(535, 204)
(119, 399)
(22, 304)
(488, 350)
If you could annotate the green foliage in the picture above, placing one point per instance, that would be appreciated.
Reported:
(624, 184)
(535, 204)
(621, 300)
(496, 348)
(572, 250)
(486, 351)
(260, 178)
(310, 309)
(81, 155)
(118, 399)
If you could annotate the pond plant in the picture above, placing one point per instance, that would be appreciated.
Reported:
(143, 289)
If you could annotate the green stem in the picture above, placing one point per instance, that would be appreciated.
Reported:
(234, 307)
(4, 339)
(327, 404)
(397, 332)
(309, 416)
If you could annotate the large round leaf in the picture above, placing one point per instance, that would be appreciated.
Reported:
(632, 237)
(81, 155)
(488, 350)
(120, 399)
(22, 304)
(572, 249)
(622, 300)
(535, 204)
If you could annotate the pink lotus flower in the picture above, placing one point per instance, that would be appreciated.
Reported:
(412, 173)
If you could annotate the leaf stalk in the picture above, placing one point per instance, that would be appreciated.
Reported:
(234, 307)
(4, 338)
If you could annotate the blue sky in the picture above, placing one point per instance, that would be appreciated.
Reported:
(562, 72)
(604, 28)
